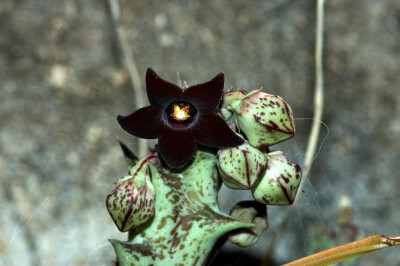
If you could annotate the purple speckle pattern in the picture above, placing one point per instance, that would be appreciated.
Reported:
(187, 221)
(280, 183)
(132, 202)
(266, 119)
(241, 167)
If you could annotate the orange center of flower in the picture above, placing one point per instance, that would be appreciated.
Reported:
(180, 112)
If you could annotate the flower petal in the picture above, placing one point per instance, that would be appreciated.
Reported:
(206, 96)
(159, 91)
(211, 130)
(176, 147)
(144, 123)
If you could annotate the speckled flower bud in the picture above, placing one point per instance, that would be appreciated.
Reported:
(132, 202)
(266, 119)
(280, 182)
(232, 96)
(249, 212)
(241, 166)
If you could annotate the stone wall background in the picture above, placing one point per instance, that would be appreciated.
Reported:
(62, 84)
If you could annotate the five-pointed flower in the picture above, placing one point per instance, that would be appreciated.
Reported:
(181, 118)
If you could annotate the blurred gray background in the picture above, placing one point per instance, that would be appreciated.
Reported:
(62, 83)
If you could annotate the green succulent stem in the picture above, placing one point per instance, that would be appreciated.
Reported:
(187, 221)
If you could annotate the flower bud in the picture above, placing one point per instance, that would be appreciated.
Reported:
(266, 119)
(280, 182)
(241, 166)
(132, 202)
(249, 212)
(225, 113)
(232, 96)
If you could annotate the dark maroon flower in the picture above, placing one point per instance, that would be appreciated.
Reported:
(181, 118)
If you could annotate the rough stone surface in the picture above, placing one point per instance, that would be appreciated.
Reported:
(62, 84)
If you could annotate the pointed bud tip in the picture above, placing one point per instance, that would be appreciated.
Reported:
(279, 184)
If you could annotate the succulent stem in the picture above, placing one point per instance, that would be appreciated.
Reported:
(187, 221)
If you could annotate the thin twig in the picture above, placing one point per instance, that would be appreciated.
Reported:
(347, 251)
(130, 64)
(318, 92)
(316, 125)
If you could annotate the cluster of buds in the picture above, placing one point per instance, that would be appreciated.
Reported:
(182, 223)
(264, 119)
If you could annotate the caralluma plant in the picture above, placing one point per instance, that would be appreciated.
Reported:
(168, 201)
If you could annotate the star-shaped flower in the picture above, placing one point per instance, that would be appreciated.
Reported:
(181, 118)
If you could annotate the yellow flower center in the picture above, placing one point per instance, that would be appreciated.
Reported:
(181, 113)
